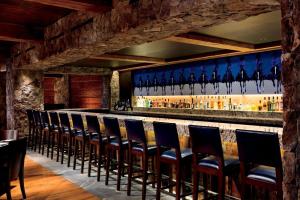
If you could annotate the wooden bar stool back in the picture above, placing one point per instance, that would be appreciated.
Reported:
(96, 142)
(260, 158)
(67, 136)
(45, 130)
(138, 147)
(38, 130)
(166, 137)
(208, 159)
(79, 139)
(115, 143)
(55, 134)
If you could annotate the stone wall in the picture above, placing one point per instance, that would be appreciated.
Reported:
(291, 80)
(81, 35)
(114, 88)
(24, 91)
(2, 100)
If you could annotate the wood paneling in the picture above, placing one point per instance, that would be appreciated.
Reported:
(49, 90)
(40, 183)
(86, 91)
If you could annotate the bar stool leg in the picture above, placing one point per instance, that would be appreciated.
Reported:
(69, 149)
(58, 145)
(221, 186)
(195, 185)
(120, 167)
(99, 162)
(178, 181)
(145, 175)
(91, 147)
(130, 162)
(82, 155)
(107, 166)
(62, 150)
(75, 153)
(158, 180)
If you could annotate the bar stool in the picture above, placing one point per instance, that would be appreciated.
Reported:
(55, 135)
(96, 141)
(260, 158)
(67, 136)
(30, 127)
(138, 147)
(38, 130)
(114, 144)
(166, 136)
(208, 158)
(45, 130)
(80, 138)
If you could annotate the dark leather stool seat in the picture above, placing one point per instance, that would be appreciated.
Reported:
(171, 154)
(263, 173)
(115, 142)
(151, 149)
(212, 161)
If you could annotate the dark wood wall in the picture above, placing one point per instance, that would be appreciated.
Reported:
(49, 90)
(86, 91)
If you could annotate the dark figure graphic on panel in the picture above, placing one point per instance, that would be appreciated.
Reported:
(147, 85)
(228, 77)
(203, 80)
(163, 83)
(192, 81)
(172, 82)
(155, 83)
(242, 76)
(181, 81)
(258, 75)
(275, 76)
(215, 78)
(140, 85)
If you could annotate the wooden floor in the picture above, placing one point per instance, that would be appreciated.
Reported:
(40, 184)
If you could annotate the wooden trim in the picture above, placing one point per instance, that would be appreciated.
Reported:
(211, 41)
(207, 57)
(128, 58)
(74, 5)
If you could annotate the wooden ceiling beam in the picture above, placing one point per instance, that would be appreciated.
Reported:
(18, 33)
(128, 58)
(214, 55)
(211, 41)
(74, 5)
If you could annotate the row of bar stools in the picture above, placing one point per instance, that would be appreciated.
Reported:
(38, 130)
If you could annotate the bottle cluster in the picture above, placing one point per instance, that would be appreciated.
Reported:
(214, 102)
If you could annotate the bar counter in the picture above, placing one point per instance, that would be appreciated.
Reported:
(227, 129)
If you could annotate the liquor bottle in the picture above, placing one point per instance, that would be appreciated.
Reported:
(192, 104)
(215, 103)
(211, 106)
(269, 104)
(273, 104)
(260, 106)
(195, 106)
(281, 105)
(201, 104)
(230, 104)
(265, 107)
(225, 104)
(277, 104)
(219, 103)
(207, 103)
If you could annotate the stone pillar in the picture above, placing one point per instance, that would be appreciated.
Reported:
(291, 81)
(24, 90)
(2, 100)
(114, 88)
(61, 90)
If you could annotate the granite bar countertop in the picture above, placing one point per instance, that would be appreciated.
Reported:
(227, 129)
